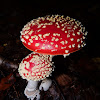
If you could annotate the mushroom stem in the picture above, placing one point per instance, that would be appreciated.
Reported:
(45, 84)
(31, 90)
(32, 94)
(32, 85)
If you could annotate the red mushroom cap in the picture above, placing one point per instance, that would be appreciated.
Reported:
(53, 35)
(35, 67)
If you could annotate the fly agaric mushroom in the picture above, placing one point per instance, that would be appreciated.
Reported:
(53, 35)
(35, 67)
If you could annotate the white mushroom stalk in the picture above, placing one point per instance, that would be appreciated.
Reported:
(31, 90)
(32, 85)
(45, 84)
(32, 94)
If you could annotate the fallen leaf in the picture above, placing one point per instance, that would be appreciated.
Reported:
(6, 82)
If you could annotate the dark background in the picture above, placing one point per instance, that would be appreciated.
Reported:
(82, 66)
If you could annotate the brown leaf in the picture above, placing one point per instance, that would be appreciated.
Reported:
(6, 82)
(63, 80)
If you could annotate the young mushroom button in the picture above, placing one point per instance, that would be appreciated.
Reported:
(54, 35)
(35, 67)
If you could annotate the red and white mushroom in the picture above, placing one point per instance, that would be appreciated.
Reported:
(35, 67)
(54, 35)
(49, 36)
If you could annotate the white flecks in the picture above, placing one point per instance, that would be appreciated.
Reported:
(22, 40)
(62, 24)
(29, 43)
(72, 39)
(73, 34)
(45, 35)
(65, 31)
(27, 37)
(83, 29)
(40, 35)
(60, 38)
(37, 44)
(68, 35)
(68, 18)
(66, 51)
(66, 42)
(56, 46)
(56, 34)
(69, 46)
(56, 39)
(85, 33)
(78, 40)
(80, 29)
(83, 37)
(39, 30)
(73, 45)
(81, 41)
(36, 37)
(79, 46)
(78, 33)
(43, 44)
(27, 65)
(51, 43)
(21, 32)
(69, 27)
(30, 32)
(57, 23)
(53, 50)
(44, 26)
(75, 26)
(70, 31)
(39, 26)
(58, 26)
(53, 38)
(62, 42)
(43, 48)
(82, 45)
(63, 47)
(31, 40)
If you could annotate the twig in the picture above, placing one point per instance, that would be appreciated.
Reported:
(15, 91)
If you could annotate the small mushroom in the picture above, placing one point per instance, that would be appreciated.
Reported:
(35, 67)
